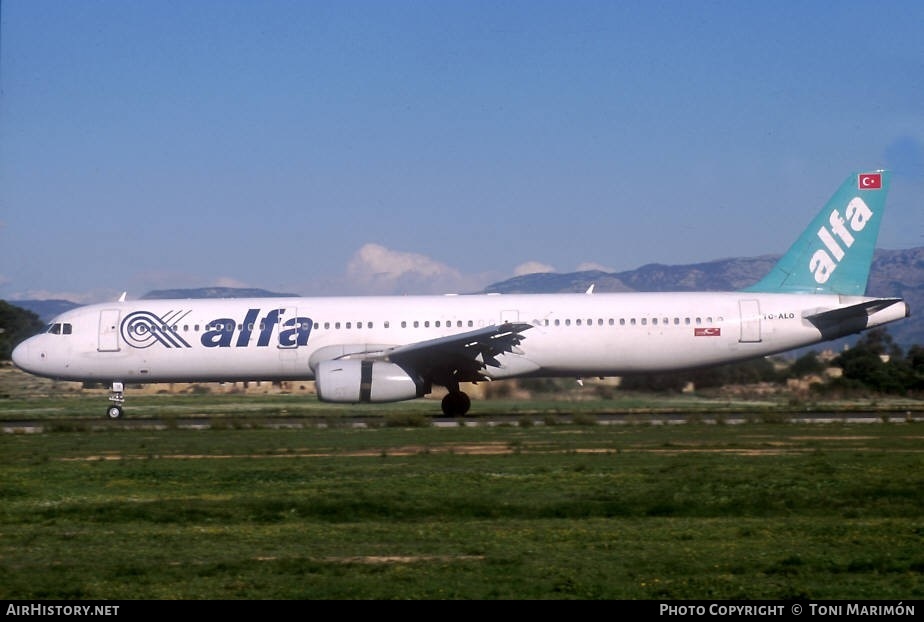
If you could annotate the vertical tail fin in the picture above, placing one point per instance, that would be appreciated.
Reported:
(834, 255)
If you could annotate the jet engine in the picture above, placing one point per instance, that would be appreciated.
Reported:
(358, 380)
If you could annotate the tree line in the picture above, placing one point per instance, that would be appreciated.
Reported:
(875, 363)
(16, 324)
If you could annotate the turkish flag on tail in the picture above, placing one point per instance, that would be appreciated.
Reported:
(870, 181)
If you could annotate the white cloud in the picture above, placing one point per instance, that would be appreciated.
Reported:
(227, 281)
(532, 267)
(592, 265)
(375, 269)
(378, 261)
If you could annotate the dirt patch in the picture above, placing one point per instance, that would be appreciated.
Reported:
(403, 559)
(459, 449)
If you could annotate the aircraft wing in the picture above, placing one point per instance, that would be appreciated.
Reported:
(461, 356)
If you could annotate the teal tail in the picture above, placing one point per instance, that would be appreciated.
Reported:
(834, 255)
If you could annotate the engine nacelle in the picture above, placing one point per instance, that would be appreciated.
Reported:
(356, 380)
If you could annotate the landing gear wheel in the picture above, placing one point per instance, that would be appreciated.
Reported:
(456, 404)
(117, 397)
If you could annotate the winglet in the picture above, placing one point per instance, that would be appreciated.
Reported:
(122, 297)
(834, 254)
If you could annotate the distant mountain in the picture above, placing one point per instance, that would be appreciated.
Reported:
(214, 292)
(45, 309)
(898, 274)
(48, 309)
(721, 275)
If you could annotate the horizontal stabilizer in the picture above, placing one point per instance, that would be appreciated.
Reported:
(836, 323)
(864, 310)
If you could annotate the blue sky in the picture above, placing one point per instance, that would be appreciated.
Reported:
(354, 147)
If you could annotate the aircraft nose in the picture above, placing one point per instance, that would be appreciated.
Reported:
(19, 354)
(23, 357)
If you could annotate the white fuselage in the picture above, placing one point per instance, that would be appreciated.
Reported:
(199, 340)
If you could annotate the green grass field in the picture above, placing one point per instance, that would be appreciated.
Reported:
(757, 510)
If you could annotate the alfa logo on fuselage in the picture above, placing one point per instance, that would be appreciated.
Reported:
(142, 329)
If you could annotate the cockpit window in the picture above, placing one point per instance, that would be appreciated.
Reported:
(60, 328)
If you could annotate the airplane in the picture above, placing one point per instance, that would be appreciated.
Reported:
(395, 348)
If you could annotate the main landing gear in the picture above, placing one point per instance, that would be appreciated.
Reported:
(117, 397)
(456, 403)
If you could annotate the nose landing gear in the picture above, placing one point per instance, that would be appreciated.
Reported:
(117, 397)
